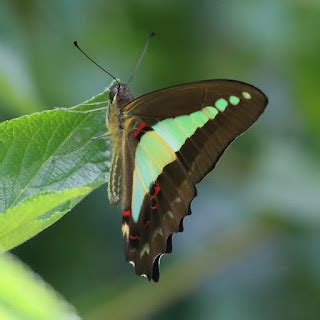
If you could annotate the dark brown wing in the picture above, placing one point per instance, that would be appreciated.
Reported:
(187, 98)
(168, 197)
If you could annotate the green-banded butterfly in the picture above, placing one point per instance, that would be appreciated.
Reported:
(163, 144)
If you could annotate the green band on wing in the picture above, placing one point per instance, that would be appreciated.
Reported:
(171, 133)
(138, 193)
(157, 148)
(221, 104)
(152, 155)
(185, 125)
(211, 112)
(234, 100)
(175, 131)
(199, 118)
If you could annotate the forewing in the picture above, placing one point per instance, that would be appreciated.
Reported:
(187, 98)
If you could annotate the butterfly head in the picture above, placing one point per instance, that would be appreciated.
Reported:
(120, 93)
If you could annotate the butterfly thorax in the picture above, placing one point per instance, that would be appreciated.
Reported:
(120, 96)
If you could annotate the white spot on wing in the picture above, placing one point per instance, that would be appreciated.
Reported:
(170, 214)
(145, 250)
(157, 232)
(246, 95)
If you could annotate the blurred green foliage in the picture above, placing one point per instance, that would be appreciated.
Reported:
(270, 174)
(39, 302)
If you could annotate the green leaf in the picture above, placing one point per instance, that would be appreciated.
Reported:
(24, 295)
(48, 163)
(28, 218)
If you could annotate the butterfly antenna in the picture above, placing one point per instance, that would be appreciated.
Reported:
(151, 35)
(103, 69)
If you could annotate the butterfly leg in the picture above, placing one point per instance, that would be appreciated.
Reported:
(82, 111)
(102, 137)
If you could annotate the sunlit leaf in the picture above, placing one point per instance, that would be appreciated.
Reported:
(48, 163)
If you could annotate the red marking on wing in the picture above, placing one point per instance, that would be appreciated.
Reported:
(126, 213)
(154, 207)
(147, 223)
(157, 189)
(138, 131)
(134, 238)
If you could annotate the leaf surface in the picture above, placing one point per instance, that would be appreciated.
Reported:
(48, 163)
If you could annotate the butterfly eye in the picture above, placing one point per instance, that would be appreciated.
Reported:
(113, 91)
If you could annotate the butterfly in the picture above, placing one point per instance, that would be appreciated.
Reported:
(163, 144)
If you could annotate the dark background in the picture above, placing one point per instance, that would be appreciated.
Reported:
(259, 209)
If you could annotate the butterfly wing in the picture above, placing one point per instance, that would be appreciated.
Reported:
(175, 137)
